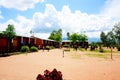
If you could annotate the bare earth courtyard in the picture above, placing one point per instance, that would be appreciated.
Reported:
(28, 66)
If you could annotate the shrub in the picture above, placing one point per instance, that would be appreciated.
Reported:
(52, 47)
(33, 49)
(50, 75)
(66, 45)
(118, 47)
(24, 49)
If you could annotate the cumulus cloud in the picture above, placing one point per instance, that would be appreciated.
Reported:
(19, 4)
(22, 25)
(47, 21)
(92, 24)
(111, 9)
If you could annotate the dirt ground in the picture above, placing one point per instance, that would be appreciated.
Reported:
(28, 66)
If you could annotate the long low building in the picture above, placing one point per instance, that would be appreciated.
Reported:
(19, 41)
(78, 44)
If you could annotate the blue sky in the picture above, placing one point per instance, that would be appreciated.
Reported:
(43, 16)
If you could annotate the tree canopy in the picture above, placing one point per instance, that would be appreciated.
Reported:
(10, 32)
(112, 37)
(116, 31)
(56, 35)
(75, 37)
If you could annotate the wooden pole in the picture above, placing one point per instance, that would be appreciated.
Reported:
(111, 52)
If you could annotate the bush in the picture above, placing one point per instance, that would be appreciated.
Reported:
(24, 49)
(50, 75)
(33, 49)
(52, 47)
(66, 45)
(118, 47)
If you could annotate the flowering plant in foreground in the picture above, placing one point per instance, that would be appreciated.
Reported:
(50, 75)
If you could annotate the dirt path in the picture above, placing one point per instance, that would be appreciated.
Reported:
(27, 67)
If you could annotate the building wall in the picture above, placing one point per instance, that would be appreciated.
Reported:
(39, 43)
(3, 44)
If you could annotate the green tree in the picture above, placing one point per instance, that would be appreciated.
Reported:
(116, 31)
(68, 35)
(75, 37)
(82, 38)
(103, 38)
(111, 39)
(1, 34)
(10, 34)
(56, 35)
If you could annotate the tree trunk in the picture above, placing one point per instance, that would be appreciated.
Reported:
(111, 52)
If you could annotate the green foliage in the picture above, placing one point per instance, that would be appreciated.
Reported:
(10, 32)
(1, 34)
(68, 35)
(24, 49)
(75, 37)
(108, 39)
(103, 38)
(52, 47)
(111, 41)
(116, 31)
(56, 35)
(66, 45)
(118, 47)
(47, 47)
(33, 49)
(98, 55)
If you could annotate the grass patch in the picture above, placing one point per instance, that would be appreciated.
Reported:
(75, 55)
(98, 55)
(19, 53)
(81, 49)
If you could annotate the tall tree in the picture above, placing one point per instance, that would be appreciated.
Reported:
(103, 38)
(111, 39)
(68, 35)
(116, 31)
(56, 35)
(75, 37)
(82, 38)
(10, 34)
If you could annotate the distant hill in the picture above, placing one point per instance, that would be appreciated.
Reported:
(89, 39)
(93, 40)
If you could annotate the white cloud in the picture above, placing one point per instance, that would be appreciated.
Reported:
(19, 4)
(48, 24)
(111, 8)
(43, 23)
(47, 21)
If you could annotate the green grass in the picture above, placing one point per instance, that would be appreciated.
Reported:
(19, 53)
(98, 55)
(81, 49)
(75, 55)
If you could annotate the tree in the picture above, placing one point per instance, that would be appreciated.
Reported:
(111, 41)
(103, 38)
(75, 37)
(10, 34)
(56, 35)
(116, 31)
(1, 34)
(82, 38)
(68, 35)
